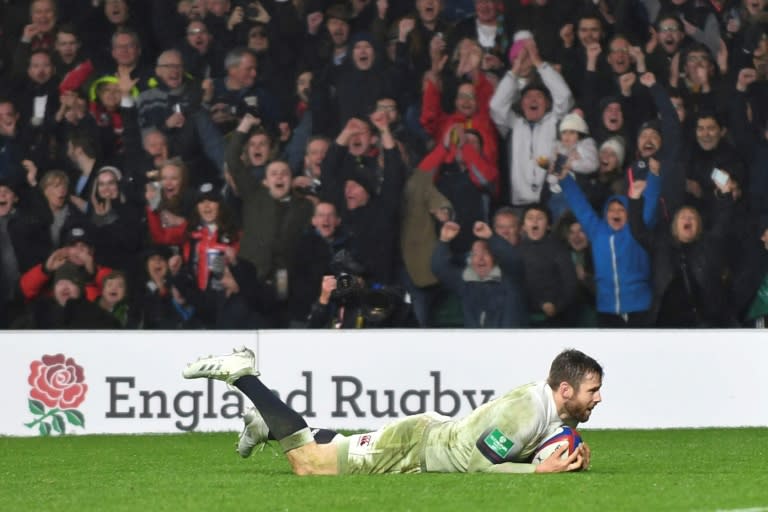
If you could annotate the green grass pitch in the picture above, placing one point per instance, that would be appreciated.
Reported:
(644, 470)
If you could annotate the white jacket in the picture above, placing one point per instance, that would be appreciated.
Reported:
(529, 141)
(588, 160)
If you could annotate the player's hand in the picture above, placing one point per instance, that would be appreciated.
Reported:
(586, 455)
(448, 231)
(554, 464)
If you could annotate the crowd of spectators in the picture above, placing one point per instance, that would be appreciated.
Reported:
(234, 164)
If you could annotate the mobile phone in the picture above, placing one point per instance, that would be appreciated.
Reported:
(559, 163)
(720, 178)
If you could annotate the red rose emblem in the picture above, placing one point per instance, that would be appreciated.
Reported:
(57, 382)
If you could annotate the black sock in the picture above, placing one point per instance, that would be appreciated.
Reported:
(323, 435)
(281, 419)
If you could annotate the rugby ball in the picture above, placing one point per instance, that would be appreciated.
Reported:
(562, 436)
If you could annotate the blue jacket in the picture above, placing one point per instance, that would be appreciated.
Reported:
(622, 266)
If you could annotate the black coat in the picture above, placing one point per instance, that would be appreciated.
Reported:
(315, 258)
(46, 313)
(695, 268)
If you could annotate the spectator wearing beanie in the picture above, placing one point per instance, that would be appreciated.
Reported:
(575, 152)
(609, 179)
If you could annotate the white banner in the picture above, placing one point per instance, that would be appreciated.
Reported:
(130, 382)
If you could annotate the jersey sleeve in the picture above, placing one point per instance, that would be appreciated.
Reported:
(509, 432)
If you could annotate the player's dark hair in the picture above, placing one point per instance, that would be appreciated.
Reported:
(572, 366)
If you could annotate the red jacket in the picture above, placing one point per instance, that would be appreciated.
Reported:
(435, 122)
(200, 241)
(173, 235)
(35, 281)
(483, 172)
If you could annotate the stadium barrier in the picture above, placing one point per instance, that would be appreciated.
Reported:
(130, 382)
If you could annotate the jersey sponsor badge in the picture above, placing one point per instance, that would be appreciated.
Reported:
(495, 445)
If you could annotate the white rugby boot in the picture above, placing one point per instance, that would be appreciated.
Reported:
(255, 432)
(229, 368)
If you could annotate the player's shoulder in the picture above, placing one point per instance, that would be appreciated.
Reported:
(531, 392)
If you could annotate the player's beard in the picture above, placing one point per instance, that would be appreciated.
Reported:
(577, 411)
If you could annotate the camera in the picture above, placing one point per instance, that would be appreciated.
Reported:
(252, 10)
(347, 272)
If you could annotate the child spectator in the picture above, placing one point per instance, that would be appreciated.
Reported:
(575, 147)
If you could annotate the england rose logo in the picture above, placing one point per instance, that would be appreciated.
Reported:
(59, 384)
